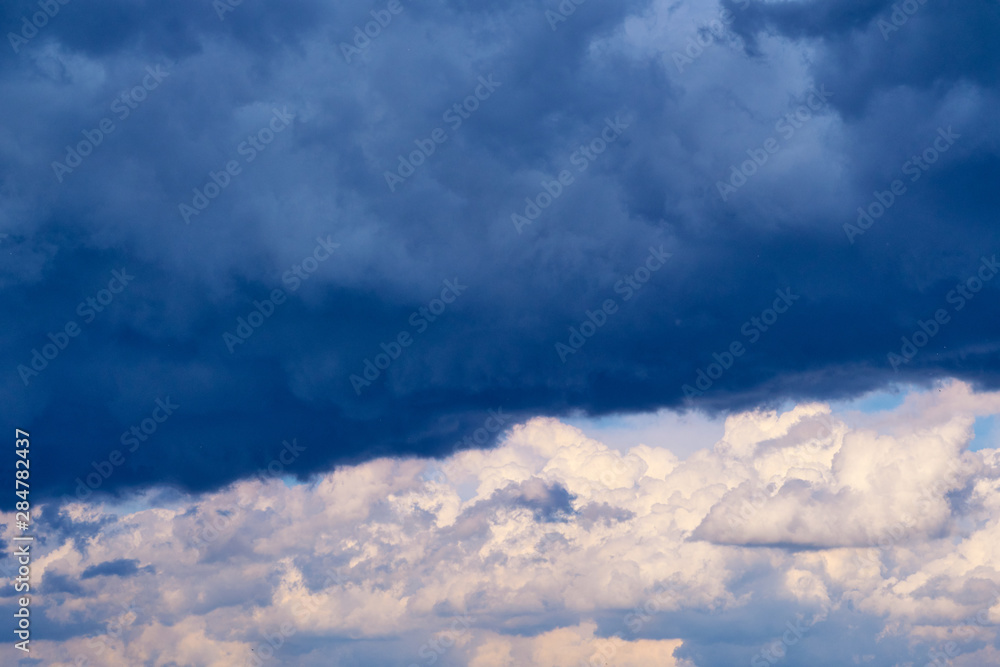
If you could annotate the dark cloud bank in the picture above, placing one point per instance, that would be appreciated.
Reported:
(538, 177)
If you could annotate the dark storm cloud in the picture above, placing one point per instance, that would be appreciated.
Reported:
(280, 148)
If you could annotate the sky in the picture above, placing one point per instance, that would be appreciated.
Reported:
(498, 314)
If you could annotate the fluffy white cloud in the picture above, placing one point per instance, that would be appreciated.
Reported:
(554, 549)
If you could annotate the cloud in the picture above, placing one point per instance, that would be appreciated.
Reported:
(221, 85)
(123, 567)
(810, 483)
(553, 548)
(570, 647)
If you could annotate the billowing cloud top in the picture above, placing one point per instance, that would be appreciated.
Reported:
(794, 532)
(368, 224)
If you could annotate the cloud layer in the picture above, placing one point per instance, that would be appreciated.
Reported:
(554, 549)
(545, 163)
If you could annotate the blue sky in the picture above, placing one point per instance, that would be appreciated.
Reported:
(263, 243)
